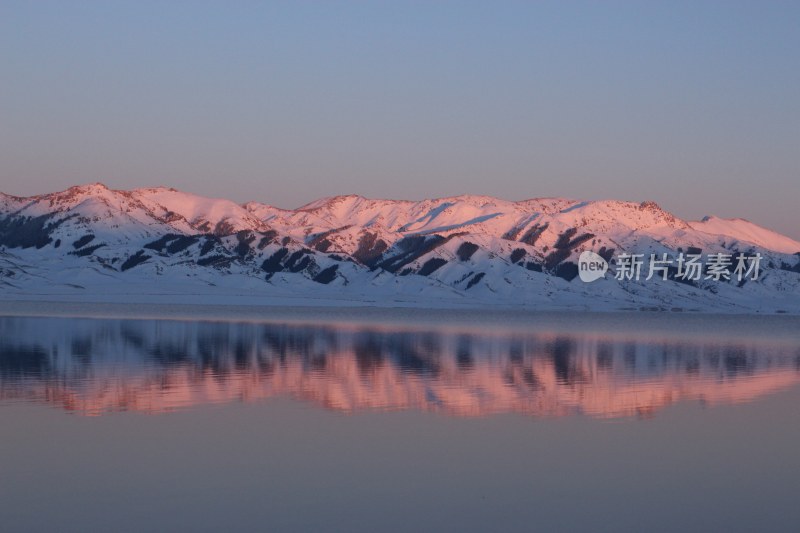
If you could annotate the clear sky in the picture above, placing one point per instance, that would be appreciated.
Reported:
(693, 104)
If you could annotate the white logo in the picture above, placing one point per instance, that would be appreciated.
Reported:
(591, 266)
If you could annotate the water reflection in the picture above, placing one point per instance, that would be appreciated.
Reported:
(94, 366)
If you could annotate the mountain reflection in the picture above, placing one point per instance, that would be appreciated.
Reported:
(98, 366)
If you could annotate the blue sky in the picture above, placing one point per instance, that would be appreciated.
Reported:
(691, 104)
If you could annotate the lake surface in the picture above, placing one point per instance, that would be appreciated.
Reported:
(207, 419)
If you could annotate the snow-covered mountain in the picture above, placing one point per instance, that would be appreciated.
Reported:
(91, 242)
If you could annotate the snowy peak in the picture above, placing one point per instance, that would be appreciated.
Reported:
(746, 231)
(9, 203)
(204, 215)
(338, 202)
(618, 219)
(71, 198)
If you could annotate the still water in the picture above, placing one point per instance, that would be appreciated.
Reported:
(399, 420)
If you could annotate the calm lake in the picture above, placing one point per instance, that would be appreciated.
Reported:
(141, 418)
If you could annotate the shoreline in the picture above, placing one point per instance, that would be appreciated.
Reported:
(603, 323)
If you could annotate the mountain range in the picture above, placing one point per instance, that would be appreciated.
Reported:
(90, 242)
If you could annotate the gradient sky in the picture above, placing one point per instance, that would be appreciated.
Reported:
(693, 104)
